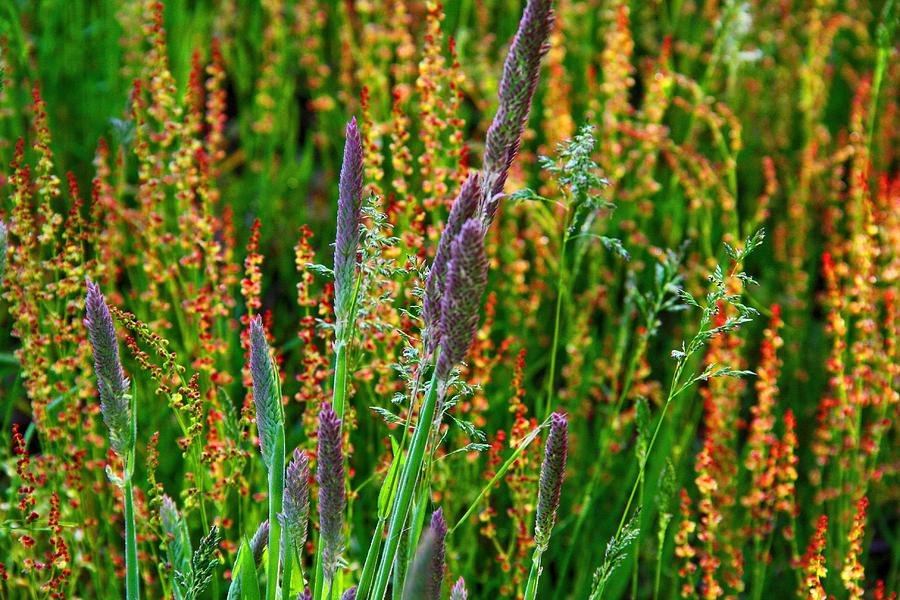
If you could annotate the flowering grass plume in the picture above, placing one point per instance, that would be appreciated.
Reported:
(459, 590)
(111, 380)
(462, 210)
(553, 471)
(350, 594)
(520, 77)
(436, 571)
(466, 279)
(427, 574)
(259, 540)
(4, 239)
(295, 509)
(331, 489)
(348, 223)
(266, 395)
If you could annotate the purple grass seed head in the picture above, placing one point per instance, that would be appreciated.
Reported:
(349, 594)
(266, 394)
(111, 381)
(330, 474)
(517, 85)
(426, 575)
(462, 210)
(464, 286)
(349, 219)
(459, 590)
(295, 515)
(259, 540)
(553, 471)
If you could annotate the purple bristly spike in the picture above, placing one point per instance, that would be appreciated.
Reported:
(464, 286)
(553, 471)
(425, 577)
(349, 594)
(459, 590)
(306, 594)
(330, 475)
(517, 85)
(295, 511)
(348, 223)
(259, 540)
(439, 529)
(266, 398)
(462, 210)
(111, 380)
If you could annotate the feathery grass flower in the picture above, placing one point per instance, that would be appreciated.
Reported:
(520, 77)
(427, 573)
(331, 489)
(295, 509)
(266, 395)
(111, 380)
(259, 540)
(462, 210)
(466, 280)
(553, 471)
(459, 590)
(348, 222)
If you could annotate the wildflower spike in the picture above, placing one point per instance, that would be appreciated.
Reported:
(111, 380)
(520, 77)
(331, 489)
(459, 590)
(348, 223)
(466, 279)
(259, 540)
(462, 210)
(295, 509)
(4, 239)
(349, 594)
(266, 393)
(553, 471)
(436, 569)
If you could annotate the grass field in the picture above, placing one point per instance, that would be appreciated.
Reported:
(557, 299)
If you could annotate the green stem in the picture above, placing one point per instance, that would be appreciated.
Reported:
(534, 575)
(339, 394)
(368, 572)
(544, 411)
(288, 566)
(132, 583)
(406, 487)
(276, 493)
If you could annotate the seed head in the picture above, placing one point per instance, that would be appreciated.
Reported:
(517, 85)
(459, 590)
(259, 540)
(295, 517)
(553, 471)
(266, 392)
(111, 380)
(330, 475)
(462, 210)
(348, 223)
(466, 279)
(427, 572)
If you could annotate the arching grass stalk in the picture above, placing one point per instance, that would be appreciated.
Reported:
(119, 413)
(717, 299)
(347, 282)
(553, 471)
(405, 487)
